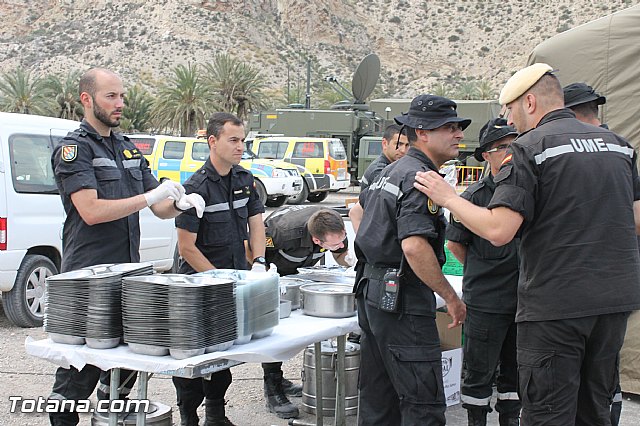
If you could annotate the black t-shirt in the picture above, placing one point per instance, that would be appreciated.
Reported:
(490, 281)
(575, 185)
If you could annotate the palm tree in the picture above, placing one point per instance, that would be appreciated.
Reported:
(485, 90)
(237, 86)
(467, 90)
(22, 92)
(183, 103)
(66, 99)
(442, 90)
(136, 115)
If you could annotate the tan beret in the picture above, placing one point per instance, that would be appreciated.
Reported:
(521, 81)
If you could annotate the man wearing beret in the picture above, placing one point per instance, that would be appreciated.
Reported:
(489, 289)
(571, 190)
(584, 101)
(400, 250)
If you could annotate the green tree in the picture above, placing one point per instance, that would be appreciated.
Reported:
(485, 90)
(21, 91)
(467, 90)
(328, 97)
(64, 93)
(238, 87)
(136, 115)
(182, 104)
(443, 90)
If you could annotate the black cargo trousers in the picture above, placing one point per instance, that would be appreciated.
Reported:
(567, 369)
(489, 342)
(73, 384)
(400, 379)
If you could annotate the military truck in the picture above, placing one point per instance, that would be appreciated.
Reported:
(359, 125)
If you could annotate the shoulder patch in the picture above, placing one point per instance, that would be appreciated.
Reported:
(506, 159)
(433, 207)
(69, 153)
(269, 242)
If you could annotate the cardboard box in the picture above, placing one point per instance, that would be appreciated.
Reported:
(451, 344)
(350, 202)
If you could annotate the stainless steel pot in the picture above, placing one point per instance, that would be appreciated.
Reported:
(290, 290)
(328, 300)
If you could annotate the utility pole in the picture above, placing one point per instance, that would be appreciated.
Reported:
(307, 101)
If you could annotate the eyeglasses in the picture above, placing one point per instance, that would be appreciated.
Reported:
(452, 127)
(498, 148)
(328, 246)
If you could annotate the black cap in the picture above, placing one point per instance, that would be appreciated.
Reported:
(429, 112)
(494, 130)
(581, 93)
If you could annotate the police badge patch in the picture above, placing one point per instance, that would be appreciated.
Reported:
(433, 207)
(69, 152)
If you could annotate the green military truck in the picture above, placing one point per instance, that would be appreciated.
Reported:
(360, 126)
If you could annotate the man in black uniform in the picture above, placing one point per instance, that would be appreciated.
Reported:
(489, 289)
(571, 189)
(402, 235)
(584, 101)
(299, 236)
(103, 181)
(394, 147)
(217, 241)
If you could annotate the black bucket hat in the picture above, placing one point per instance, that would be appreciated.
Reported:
(494, 130)
(429, 112)
(581, 93)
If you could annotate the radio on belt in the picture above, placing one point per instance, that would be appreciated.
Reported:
(389, 298)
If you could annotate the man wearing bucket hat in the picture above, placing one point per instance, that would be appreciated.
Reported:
(572, 191)
(489, 289)
(584, 101)
(400, 249)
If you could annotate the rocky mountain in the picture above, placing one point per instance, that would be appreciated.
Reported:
(420, 42)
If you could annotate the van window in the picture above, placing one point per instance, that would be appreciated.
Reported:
(200, 151)
(144, 145)
(272, 149)
(336, 150)
(31, 170)
(374, 148)
(173, 150)
(308, 150)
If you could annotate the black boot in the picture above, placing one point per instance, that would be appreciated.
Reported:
(477, 417)
(291, 389)
(64, 419)
(616, 409)
(188, 414)
(277, 401)
(214, 410)
(509, 419)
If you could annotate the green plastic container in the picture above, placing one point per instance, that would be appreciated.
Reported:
(452, 266)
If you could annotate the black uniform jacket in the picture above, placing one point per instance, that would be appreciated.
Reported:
(490, 281)
(373, 171)
(393, 211)
(575, 185)
(115, 169)
(289, 243)
(224, 225)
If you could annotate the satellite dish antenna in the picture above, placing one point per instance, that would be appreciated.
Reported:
(365, 78)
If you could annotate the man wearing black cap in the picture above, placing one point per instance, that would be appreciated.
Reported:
(572, 192)
(400, 248)
(489, 289)
(584, 101)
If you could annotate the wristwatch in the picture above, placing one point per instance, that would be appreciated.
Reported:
(260, 259)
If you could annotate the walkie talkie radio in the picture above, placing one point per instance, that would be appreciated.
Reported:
(390, 291)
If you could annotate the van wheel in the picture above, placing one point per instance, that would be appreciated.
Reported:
(24, 303)
(301, 197)
(316, 197)
(276, 201)
(262, 193)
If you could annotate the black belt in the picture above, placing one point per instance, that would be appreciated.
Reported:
(373, 272)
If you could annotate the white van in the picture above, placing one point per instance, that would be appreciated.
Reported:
(31, 216)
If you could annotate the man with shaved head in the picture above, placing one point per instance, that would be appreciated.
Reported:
(571, 191)
(104, 181)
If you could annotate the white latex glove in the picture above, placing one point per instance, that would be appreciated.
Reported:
(167, 189)
(350, 258)
(192, 200)
(258, 267)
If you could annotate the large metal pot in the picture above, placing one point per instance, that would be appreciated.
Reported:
(290, 290)
(328, 300)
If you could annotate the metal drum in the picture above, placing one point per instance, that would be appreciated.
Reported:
(329, 360)
(159, 415)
